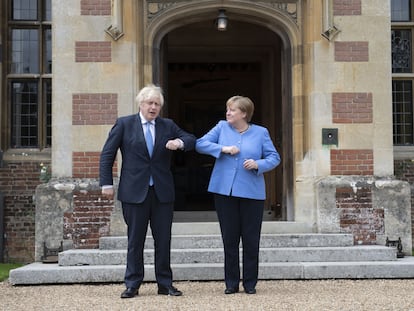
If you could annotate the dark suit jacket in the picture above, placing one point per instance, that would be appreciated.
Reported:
(137, 166)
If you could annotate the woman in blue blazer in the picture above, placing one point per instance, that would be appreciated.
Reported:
(243, 152)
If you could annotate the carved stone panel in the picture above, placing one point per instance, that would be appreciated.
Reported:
(157, 7)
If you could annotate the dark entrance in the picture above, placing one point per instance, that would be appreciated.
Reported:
(200, 68)
(197, 96)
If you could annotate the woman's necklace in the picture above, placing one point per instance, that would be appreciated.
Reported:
(242, 131)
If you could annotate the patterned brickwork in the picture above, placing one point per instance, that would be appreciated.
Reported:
(352, 162)
(94, 109)
(93, 51)
(18, 181)
(346, 7)
(355, 51)
(357, 215)
(95, 7)
(352, 108)
(89, 220)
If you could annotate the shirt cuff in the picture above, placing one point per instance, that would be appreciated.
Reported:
(181, 144)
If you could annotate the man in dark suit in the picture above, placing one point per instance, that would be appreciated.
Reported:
(146, 186)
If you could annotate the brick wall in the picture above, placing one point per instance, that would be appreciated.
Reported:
(95, 7)
(89, 220)
(346, 7)
(94, 109)
(357, 215)
(352, 162)
(18, 181)
(352, 108)
(404, 170)
(86, 165)
(93, 51)
(351, 51)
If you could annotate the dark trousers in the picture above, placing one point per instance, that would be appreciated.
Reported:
(159, 216)
(240, 218)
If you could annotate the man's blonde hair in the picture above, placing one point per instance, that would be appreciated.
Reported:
(148, 92)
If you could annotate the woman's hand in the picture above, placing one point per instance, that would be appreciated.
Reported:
(250, 164)
(230, 150)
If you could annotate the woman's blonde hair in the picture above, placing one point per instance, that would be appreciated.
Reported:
(244, 103)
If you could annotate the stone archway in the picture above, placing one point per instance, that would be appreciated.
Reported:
(282, 20)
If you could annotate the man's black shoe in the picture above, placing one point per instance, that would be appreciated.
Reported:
(231, 290)
(129, 292)
(170, 291)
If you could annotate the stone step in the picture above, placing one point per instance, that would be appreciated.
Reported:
(214, 241)
(213, 227)
(39, 273)
(78, 257)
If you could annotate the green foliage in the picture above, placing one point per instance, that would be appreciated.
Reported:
(44, 175)
(5, 268)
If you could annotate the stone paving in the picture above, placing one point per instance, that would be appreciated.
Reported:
(321, 295)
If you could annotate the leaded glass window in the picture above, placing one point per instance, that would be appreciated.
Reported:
(401, 50)
(402, 99)
(402, 72)
(29, 68)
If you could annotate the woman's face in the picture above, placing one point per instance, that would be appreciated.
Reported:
(234, 115)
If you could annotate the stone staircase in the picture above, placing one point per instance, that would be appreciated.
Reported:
(197, 254)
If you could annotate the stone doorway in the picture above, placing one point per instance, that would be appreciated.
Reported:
(200, 68)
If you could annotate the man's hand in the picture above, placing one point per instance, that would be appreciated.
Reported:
(230, 150)
(108, 193)
(174, 144)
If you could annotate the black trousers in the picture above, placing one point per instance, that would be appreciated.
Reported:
(159, 216)
(240, 218)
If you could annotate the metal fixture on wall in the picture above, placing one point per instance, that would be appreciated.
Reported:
(115, 30)
(329, 30)
(221, 21)
(330, 136)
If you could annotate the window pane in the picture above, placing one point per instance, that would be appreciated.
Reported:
(47, 16)
(24, 114)
(400, 10)
(48, 99)
(24, 10)
(47, 57)
(25, 51)
(402, 103)
(401, 50)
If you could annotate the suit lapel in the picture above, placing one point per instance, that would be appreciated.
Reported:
(139, 132)
(159, 129)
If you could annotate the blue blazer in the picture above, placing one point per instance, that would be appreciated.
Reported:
(137, 165)
(228, 176)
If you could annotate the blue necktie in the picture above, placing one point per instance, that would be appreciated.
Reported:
(148, 138)
(150, 145)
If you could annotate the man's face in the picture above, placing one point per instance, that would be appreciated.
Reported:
(150, 108)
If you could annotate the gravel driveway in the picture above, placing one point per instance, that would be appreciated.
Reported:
(199, 296)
